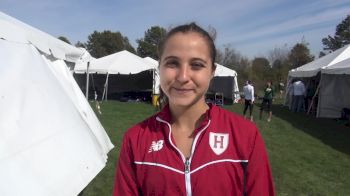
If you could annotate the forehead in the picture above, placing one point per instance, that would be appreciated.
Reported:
(189, 43)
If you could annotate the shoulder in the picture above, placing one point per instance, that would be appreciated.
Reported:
(141, 128)
(232, 120)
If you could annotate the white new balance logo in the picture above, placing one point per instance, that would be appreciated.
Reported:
(156, 146)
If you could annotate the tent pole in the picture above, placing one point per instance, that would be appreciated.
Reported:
(87, 81)
(104, 88)
(107, 86)
(313, 98)
(154, 82)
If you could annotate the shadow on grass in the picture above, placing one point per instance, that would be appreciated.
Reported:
(328, 131)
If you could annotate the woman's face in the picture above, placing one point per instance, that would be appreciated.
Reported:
(185, 69)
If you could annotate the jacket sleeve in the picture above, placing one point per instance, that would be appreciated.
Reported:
(125, 180)
(258, 173)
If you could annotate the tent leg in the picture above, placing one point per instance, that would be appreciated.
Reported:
(313, 99)
(104, 95)
(87, 81)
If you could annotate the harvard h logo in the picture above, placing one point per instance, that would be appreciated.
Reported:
(218, 142)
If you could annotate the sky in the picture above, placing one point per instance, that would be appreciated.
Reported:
(251, 27)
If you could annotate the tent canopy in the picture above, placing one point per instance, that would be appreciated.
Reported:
(51, 142)
(152, 62)
(224, 71)
(311, 69)
(342, 67)
(123, 62)
(17, 31)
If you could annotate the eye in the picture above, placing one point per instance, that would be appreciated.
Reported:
(197, 66)
(171, 63)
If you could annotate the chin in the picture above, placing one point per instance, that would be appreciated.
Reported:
(183, 102)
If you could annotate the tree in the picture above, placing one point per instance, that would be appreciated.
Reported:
(229, 57)
(62, 38)
(280, 65)
(341, 37)
(278, 54)
(104, 43)
(260, 72)
(321, 54)
(80, 45)
(300, 55)
(148, 45)
(260, 66)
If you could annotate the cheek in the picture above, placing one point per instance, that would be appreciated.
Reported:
(204, 80)
(165, 76)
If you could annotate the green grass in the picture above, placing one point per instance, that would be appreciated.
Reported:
(308, 156)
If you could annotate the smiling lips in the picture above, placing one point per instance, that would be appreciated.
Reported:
(182, 90)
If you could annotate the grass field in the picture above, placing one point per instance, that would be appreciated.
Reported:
(308, 156)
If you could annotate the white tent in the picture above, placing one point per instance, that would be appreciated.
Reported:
(334, 92)
(156, 80)
(313, 68)
(329, 85)
(123, 62)
(225, 81)
(51, 142)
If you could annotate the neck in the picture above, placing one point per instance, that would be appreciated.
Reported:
(189, 117)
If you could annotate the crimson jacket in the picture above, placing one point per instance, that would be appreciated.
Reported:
(228, 158)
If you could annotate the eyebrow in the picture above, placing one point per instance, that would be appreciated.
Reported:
(171, 57)
(199, 59)
(193, 59)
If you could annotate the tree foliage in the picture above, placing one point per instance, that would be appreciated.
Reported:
(148, 45)
(62, 38)
(341, 37)
(300, 55)
(229, 57)
(80, 45)
(104, 43)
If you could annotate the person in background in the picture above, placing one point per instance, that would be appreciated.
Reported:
(248, 91)
(298, 95)
(191, 147)
(267, 100)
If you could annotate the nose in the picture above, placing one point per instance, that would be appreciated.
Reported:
(183, 74)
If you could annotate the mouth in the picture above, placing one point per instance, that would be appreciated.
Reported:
(182, 90)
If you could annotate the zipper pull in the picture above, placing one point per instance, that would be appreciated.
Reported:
(187, 166)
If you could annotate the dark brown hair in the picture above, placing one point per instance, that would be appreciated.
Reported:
(186, 28)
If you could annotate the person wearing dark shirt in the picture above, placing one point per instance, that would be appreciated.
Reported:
(267, 100)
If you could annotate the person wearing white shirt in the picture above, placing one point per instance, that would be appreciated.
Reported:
(298, 95)
(248, 91)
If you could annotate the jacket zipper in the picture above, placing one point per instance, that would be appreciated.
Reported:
(187, 161)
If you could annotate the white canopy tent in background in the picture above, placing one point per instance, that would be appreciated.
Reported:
(312, 70)
(156, 80)
(123, 62)
(334, 90)
(51, 142)
(222, 71)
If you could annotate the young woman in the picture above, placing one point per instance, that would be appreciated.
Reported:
(269, 94)
(189, 147)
